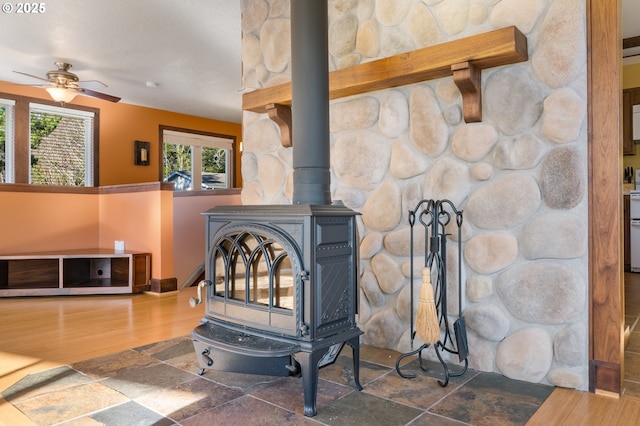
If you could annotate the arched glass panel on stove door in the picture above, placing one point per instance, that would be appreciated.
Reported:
(256, 271)
(260, 263)
(230, 254)
(283, 281)
(220, 265)
(244, 245)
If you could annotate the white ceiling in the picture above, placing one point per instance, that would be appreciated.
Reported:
(190, 48)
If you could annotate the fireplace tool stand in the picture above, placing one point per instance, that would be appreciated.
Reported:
(434, 215)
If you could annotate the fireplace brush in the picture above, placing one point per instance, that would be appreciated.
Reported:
(433, 327)
(427, 324)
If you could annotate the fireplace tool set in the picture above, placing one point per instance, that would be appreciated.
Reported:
(432, 322)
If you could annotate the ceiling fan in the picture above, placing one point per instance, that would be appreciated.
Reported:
(64, 85)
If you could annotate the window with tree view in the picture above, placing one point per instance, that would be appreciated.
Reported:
(42, 143)
(61, 146)
(195, 157)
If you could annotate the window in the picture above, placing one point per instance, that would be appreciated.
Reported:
(6, 140)
(61, 146)
(54, 146)
(190, 157)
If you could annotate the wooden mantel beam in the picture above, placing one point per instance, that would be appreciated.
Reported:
(475, 53)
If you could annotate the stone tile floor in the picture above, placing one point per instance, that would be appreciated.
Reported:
(158, 384)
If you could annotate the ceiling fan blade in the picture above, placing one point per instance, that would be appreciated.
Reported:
(22, 84)
(91, 84)
(32, 76)
(98, 95)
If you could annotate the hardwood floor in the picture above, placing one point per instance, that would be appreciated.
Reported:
(632, 349)
(38, 333)
(566, 407)
(43, 332)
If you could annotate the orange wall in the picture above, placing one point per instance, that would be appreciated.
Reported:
(36, 222)
(144, 221)
(141, 215)
(121, 124)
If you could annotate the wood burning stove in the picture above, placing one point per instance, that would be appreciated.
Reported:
(282, 281)
(281, 291)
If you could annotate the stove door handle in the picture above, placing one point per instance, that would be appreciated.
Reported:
(193, 302)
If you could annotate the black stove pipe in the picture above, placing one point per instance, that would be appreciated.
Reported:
(310, 102)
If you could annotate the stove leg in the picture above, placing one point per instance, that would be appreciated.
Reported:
(355, 345)
(309, 368)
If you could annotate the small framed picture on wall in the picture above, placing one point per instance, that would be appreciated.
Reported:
(141, 153)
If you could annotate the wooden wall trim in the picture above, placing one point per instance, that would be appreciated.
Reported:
(163, 285)
(110, 189)
(21, 141)
(631, 42)
(136, 187)
(47, 189)
(605, 374)
(605, 195)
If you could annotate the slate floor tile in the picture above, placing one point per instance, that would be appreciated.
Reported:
(382, 356)
(130, 414)
(248, 411)
(187, 399)
(421, 392)
(341, 371)
(359, 408)
(69, 403)
(244, 382)
(288, 393)
(135, 383)
(114, 364)
(168, 349)
(53, 380)
(490, 399)
(435, 370)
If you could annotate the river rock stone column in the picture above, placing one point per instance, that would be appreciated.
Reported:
(519, 176)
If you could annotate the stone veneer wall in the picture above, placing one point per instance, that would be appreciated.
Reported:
(520, 176)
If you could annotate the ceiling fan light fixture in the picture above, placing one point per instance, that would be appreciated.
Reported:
(61, 94)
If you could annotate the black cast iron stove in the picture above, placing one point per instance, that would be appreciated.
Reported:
(280, 292)
(281, 281)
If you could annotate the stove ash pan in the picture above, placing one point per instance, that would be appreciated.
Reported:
(281, 291)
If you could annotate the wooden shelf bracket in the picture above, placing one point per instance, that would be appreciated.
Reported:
(281, 115)
(464, 59)
(468, 78)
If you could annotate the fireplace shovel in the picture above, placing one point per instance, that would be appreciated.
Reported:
(460, 330)
(460, 326)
